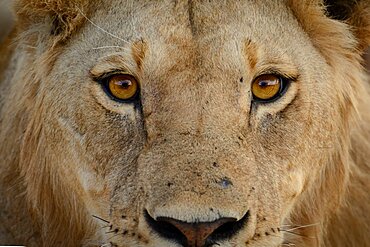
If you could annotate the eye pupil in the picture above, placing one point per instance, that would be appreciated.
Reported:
(264, 84)
(124, 84)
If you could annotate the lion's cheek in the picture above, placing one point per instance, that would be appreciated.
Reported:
(96, 192)
(292, 187)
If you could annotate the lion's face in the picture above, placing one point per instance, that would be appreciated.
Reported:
(195, 159)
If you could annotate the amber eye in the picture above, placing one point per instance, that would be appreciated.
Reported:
(122, 87)
(266, 88)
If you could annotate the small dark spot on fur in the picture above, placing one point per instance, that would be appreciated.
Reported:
(225, 182)
(169, 184)
(113, 244)
(241, 80)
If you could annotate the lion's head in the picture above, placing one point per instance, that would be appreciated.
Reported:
(184, 123)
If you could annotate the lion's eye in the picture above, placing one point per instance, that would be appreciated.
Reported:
(122, 87)
(267, 88)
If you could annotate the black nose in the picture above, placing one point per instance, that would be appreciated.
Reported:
(200, 234)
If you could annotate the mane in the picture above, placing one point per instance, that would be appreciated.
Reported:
(66, 16)
(345, 178)
(56, 217)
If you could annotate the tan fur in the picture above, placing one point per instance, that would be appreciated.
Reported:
(68, 152)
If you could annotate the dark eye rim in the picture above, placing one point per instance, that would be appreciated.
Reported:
(104, 82)
(284, 85)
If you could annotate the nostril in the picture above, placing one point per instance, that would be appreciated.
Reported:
(228, 230)
(196, 234)
(166, 230)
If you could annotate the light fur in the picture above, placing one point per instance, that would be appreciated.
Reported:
(299, 166)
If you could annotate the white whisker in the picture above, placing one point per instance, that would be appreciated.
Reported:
(297, 234)
(100, 28)
(300, 227)
(31, 47)
(287, 244)
(108, 47)
(106, 245)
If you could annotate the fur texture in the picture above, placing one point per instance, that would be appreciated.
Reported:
(196, 147)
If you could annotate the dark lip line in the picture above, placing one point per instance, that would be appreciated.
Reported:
(171, 233)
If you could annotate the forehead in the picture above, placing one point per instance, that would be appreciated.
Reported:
(215, 28)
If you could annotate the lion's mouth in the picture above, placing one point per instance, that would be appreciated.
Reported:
(197, 234)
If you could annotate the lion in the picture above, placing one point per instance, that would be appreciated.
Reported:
(185, 123)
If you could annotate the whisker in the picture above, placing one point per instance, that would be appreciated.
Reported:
(106, 245)
(98, 27)
(30, 46)
(287, 244)
(297, 234)
(305, 226)
(108, 47)
(99, 218)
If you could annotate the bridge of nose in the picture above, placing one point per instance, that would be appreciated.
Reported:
(198, 91)
(199, 112)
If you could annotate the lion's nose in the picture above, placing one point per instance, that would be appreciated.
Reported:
(196, 234)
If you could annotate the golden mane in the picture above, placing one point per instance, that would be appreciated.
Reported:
(29, 171)
(334, 41)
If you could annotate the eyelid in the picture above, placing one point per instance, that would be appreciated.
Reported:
(104, 76)
(112, 64)
(289, 73)
(286, 79)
